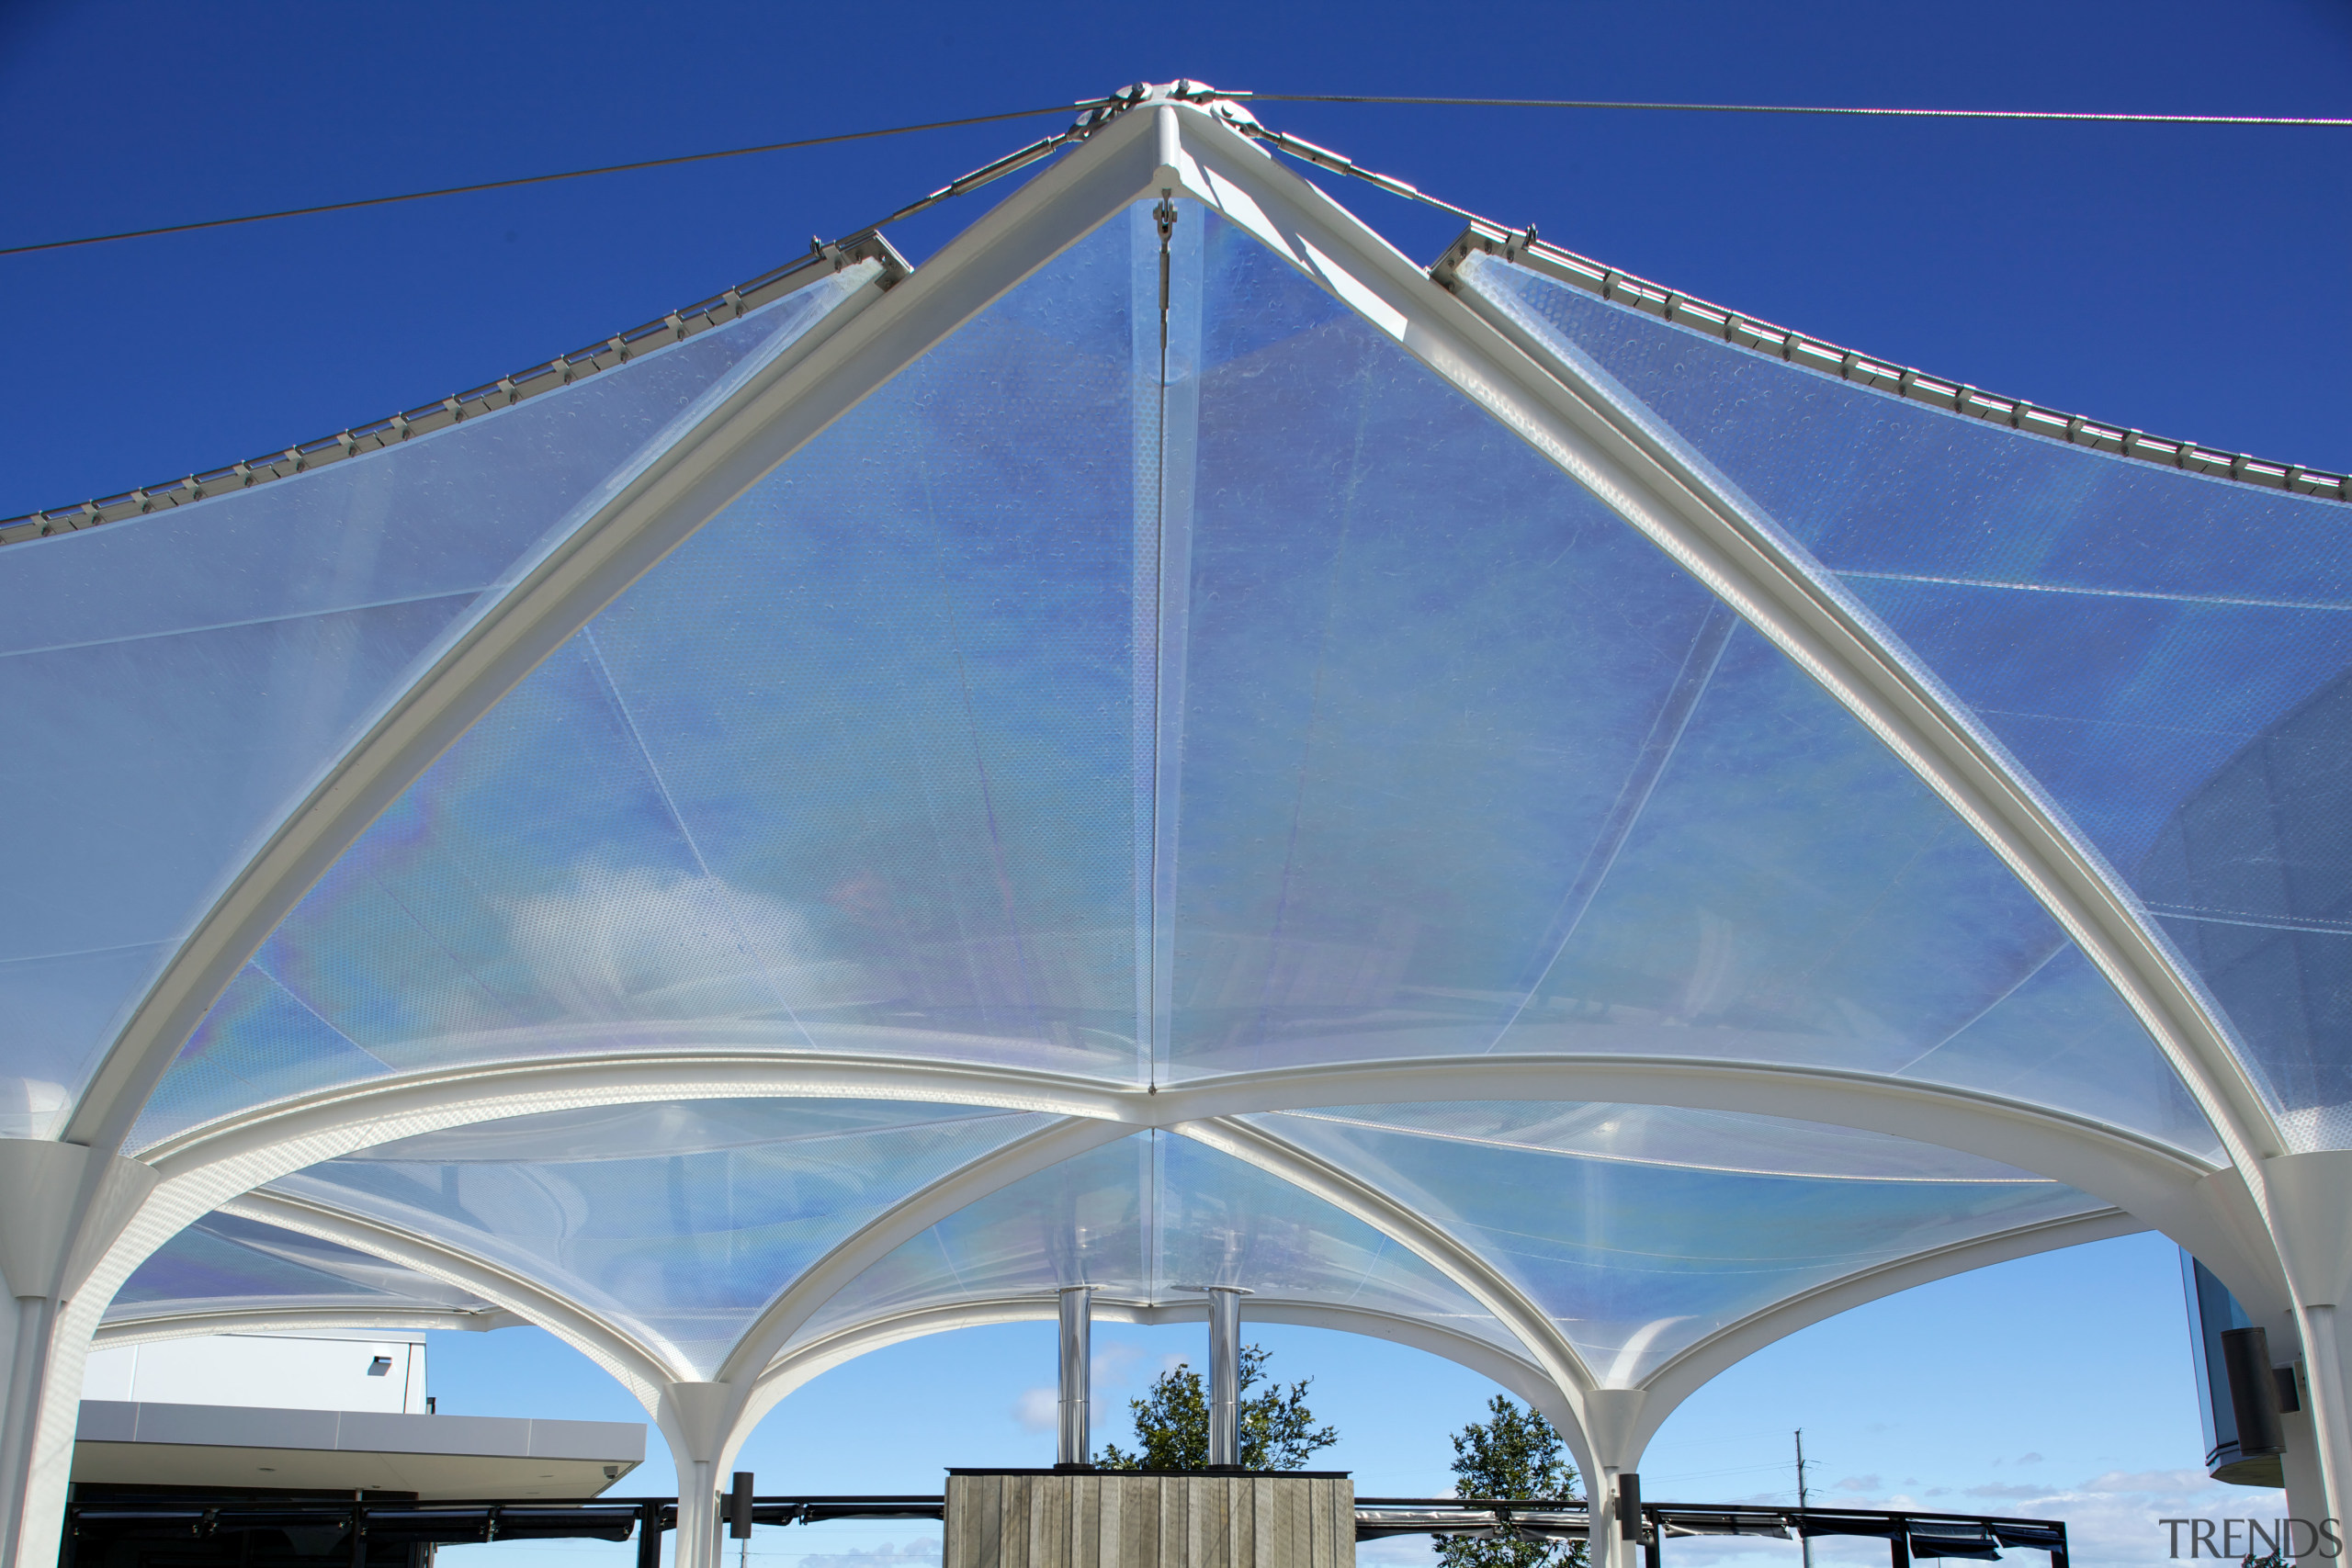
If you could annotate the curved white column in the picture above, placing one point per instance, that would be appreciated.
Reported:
(2311, 1199)
(63, 1206)
(696, 1420)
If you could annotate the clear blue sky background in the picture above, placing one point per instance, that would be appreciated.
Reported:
(2053, 1387)
(2190, 281)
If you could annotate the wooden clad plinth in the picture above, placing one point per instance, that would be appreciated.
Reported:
(1124, 1519)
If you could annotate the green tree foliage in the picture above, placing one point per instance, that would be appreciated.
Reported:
(1514, 1454)
(1278, 1431)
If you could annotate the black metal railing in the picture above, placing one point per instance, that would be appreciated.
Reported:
(1909, 1533)
(384, 1531)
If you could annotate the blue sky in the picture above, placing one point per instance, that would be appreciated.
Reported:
(2184, 280)
(2190, 281)
(2052, 1387)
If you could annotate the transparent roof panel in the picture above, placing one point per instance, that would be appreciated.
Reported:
(1640, 1230)
(2159, 649)
(1469, 766)
(1790, 893)
(1143, 1218)
(677, 1222)
(852, 769)
(1422, 664)
(1067, 707)
(225, 1263)
(1418, 750)
(172, 685)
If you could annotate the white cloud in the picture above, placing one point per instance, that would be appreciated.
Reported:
(2112, 1519)
(2115, 1517)
(1112, 1364)
(2168, 1482)
(648, 942)
(903, 1554)
(1038, 1409)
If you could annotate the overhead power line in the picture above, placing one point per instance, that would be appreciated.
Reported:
(548, 179)
(1096, 103)
(1795, 109)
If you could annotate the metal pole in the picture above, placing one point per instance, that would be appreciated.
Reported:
(1077, 1334)
(649, 1536)
(1224, 1376)
(1802, 1535)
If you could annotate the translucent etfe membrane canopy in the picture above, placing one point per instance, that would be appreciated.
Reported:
(171, 686)
(2163, 654)
(1393, 743)
(1640, 1230)
(1147, 1221)
(1469, 767)
(1163, 789)
(226, 1264)
(674, 1223)
(852, 769)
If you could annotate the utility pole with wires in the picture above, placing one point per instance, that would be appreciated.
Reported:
(1805, 1538)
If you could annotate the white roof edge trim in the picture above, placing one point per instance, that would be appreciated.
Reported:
(1605, 449)
(134, 1328)
(866, 249)
(1521, 248)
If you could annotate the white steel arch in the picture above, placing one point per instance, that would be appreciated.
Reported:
(292, 1317)
(712, 1417)
(2203, 1208)
(1558, 410)
(637, 1365)
(1546, 1348)
(1692, 1370)
(772, 415)
(796, 1368)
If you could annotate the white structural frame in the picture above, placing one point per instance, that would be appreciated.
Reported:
(292, 1317)
(2265, 1220)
